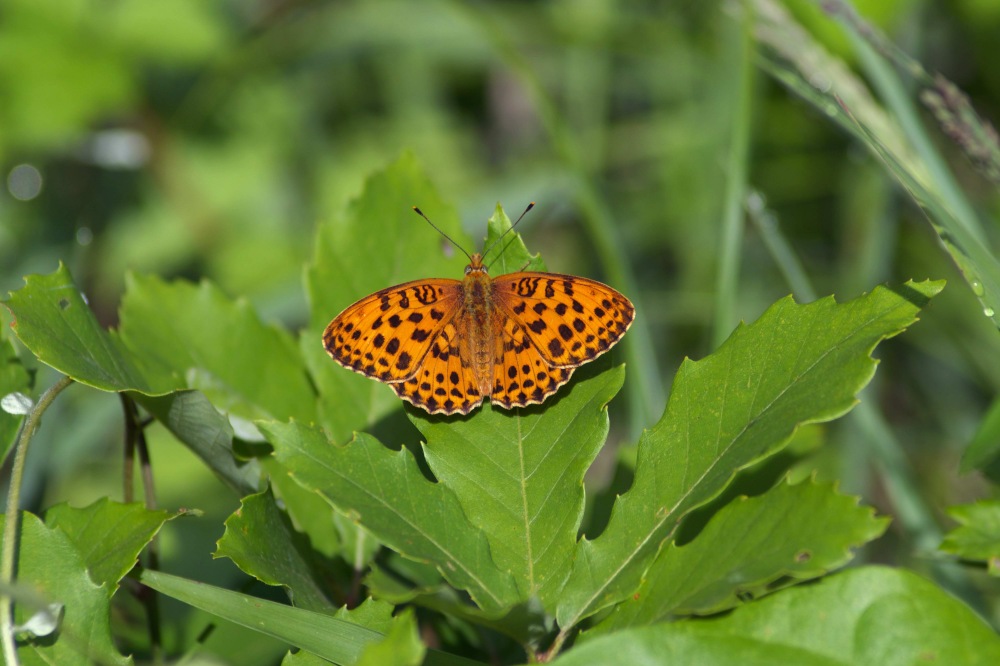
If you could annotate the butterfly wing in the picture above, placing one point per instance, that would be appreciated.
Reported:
(522, 376)
(386, 336)
(568, 320)
(443, 383)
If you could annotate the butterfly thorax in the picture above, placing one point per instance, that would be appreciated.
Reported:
(477, 343)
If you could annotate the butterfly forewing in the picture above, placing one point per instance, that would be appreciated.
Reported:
(568, 320)
(385, 336)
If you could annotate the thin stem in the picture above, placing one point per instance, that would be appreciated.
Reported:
(128, 482)
(727, 278)
(9, 555)
(135, 442)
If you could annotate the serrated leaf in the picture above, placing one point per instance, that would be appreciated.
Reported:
(661, 644)
(310, 513)
(871, 616)
(388, 495)
(527, 623)
(261, 541)
(216, 345)
(504, 250)
(109, 535)
(340, 638)
(302, 658)
(52, 568)
(519, 474)
(796, 531)
(401, 647)
(379, 242)
(53, 320)
(978, 537)
(797, 364)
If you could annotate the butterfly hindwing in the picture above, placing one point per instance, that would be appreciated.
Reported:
(521, 375)
(385, 336)
(443, 383)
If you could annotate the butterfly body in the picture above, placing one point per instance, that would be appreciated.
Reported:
(444, 345)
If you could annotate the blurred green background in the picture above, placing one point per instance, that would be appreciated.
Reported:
(205, 139)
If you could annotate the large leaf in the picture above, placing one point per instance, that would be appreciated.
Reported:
(53, 320)
(377, 243)
(342, 638)
(796, 531)
(872, 616)
(216, 345)
(385, 491)
(977, 537)
(109, 535)
(519, 474)
(261, 541)
(797, 364)
(51, 567)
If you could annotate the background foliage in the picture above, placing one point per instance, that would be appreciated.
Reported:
(144, 142)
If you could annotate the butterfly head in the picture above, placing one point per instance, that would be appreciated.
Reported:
(475, 264)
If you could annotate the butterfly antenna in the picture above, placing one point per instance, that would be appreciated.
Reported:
(499, 238)
(450, 239)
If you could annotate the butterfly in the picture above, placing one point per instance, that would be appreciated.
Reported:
(444, 345)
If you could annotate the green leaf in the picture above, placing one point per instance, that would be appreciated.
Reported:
(54, 321)
(302, 658)
(310, 513)
(796, 531)
(518, 474)
(978, 537)
(402, 645)
(109, 535)
(385, 491)
(869, 616)
(527, 623)
(506, 252)
(686, 644)
(192, 419)
(52, 569)
(379, 242)
(984, 449)
(260, 539)
(341, 639)
(216, 345)
(797, 364)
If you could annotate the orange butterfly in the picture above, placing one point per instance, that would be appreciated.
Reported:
(444, 344)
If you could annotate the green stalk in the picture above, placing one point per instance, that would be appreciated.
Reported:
(9, 556)
(727, 278)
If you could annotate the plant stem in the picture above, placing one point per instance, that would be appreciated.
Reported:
(727, 278)
(9, 555)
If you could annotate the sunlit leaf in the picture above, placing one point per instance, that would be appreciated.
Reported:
(797, 364)
(795, 531)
